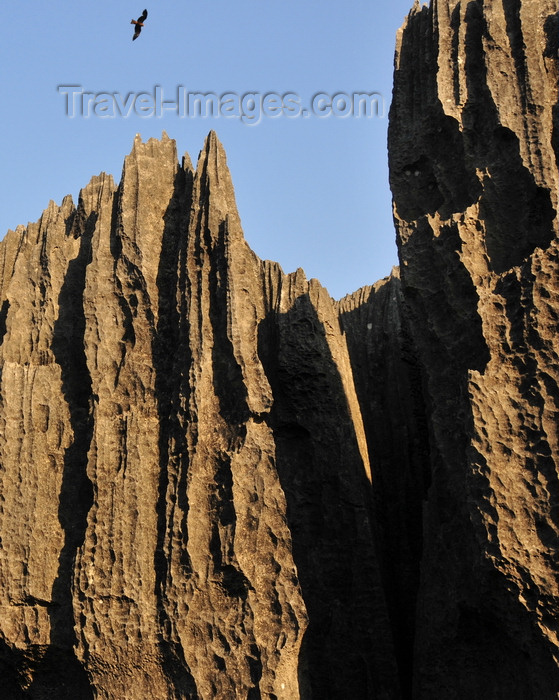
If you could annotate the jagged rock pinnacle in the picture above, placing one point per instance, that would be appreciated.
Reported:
(173, 389)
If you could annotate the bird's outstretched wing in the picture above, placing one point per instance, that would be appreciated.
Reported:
(138, 24)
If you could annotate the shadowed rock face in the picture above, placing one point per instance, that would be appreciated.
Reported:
(218, 483)
(473, 169)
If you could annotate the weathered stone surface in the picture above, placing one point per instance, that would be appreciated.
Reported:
(185, 475)
(217, 482)
(473, 169)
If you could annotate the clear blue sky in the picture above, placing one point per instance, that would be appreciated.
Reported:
(312, 191)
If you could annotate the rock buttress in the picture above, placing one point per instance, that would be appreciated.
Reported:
(473, 170)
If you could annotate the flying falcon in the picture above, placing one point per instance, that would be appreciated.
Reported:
(139, 24)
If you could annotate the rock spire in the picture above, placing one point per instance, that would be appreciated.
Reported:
(185, 474)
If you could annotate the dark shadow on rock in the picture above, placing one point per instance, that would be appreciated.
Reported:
(434, 162)
(59, 673)
(551, 28)
(229, 382)
(13, 672)
(226, 568)
(390, 388)
(230, 389)
(172, 361)
(3, 317)
(438, 287)
(347, 649)
(517, 213)
(429, 172)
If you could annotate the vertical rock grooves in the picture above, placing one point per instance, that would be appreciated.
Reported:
(473, 170)
(168, 349)
(76, 497)
(186, 505)
(216, 482)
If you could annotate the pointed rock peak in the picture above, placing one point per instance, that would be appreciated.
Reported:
(67, 208)
(417, 8)
(67, 202)
(187, 163)
(213, 186)
(99, 189)
(212, 157)
(138, 143)
(154, 147)
(212, 141)
(54, 212)
(212, 167)
(49, 214)
(97, 184)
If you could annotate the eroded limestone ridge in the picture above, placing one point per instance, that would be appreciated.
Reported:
(218, 483)
(473, 149)
(185, 481)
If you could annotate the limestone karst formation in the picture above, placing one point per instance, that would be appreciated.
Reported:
(474, 152)
(216, 482)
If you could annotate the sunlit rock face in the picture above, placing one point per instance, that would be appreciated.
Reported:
(186, 489)
(473, 148)
(216, 482)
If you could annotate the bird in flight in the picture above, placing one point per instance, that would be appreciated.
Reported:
(139, 24)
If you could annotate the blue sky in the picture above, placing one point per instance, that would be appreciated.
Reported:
(312, 191)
